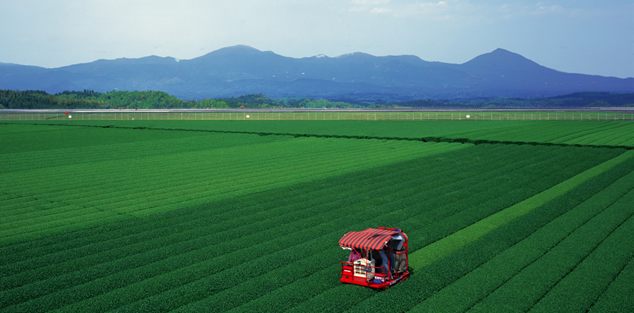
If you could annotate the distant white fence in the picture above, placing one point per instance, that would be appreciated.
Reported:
(325, 115)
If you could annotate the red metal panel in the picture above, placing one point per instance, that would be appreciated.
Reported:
(382, 282)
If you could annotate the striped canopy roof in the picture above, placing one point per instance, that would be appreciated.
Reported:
(369, 239)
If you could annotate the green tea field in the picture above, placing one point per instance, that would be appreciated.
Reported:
(245, 216)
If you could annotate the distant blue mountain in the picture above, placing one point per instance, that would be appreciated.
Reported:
(240, 70)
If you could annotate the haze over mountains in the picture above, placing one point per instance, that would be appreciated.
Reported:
(241, 70)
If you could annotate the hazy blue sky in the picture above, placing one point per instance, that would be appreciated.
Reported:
(578, 36)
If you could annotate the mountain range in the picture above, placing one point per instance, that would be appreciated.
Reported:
(240, 70)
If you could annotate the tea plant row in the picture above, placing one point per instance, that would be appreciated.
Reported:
(212, 221)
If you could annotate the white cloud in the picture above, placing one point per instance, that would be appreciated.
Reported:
(380, 11)
(544, 8)
(74, 31)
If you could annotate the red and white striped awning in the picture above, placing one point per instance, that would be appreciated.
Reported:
(369, 239)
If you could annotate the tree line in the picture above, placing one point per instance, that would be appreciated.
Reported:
(89, 99)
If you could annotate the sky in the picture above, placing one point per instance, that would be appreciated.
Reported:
(574, 36)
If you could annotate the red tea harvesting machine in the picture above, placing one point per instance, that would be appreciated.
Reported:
(378, 257)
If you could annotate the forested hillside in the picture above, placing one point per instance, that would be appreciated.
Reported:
(88, 99)
(35, 99)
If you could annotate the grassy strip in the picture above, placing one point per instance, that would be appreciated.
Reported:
(448, 245)
(465, 292)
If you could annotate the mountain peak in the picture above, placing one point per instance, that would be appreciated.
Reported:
(502, 59)
(501, 51)
(237, 50)
(245, 70)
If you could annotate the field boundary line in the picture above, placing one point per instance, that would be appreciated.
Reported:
(423, 139)
(444, 247)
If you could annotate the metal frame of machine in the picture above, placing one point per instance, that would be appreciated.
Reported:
(378, 257)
